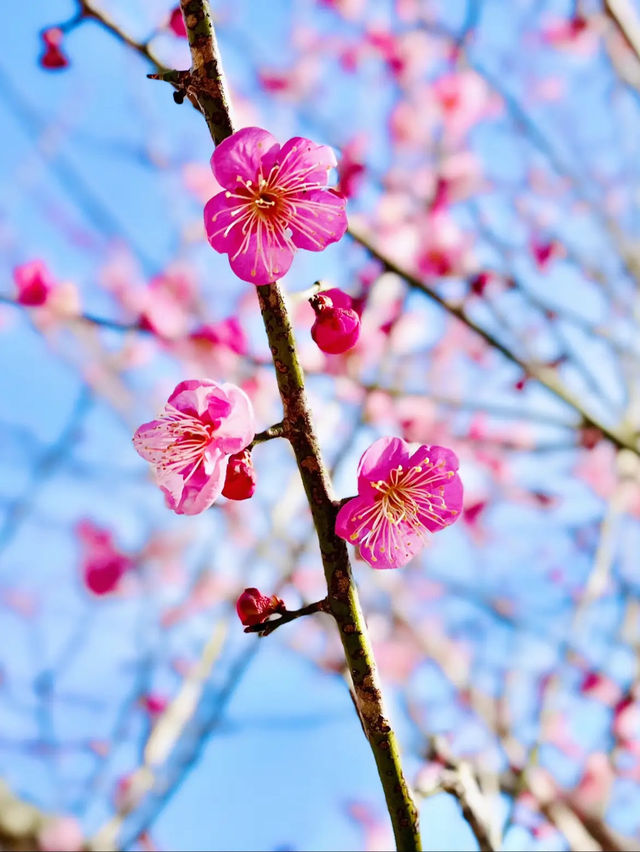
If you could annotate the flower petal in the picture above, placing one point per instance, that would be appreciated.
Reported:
(320, 219)
(237, 430)
(393, 548)
(263, 257)
(346, 522)
(238, 158)
(223, 220)
(304, 161)
(151, 440)
(199, 492)
(193, 395)
(379, 459)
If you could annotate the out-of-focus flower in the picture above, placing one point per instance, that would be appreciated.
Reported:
(227, 332)
(61, 834)
(402, 495)
(546, 251)
(154, 704)
(102, 565)
(34, 283)
(577, 35)
(336, 329)
(253, 607)
(351, 168)
(176, 23)
(275, 201)
(240, 481)
(189, 445)
(444, 248)
(53, 56)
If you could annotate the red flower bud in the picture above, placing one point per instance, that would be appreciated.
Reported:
(53, 57)
(253, 607)
(240, 482)
(34, 283)
(336, 329)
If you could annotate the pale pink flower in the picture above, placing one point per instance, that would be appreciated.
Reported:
(276, 200)
(402, 495)
(576, 35)
(444, 248)
(61, 834)
(463, 98)
(594, 788)
(189, 445)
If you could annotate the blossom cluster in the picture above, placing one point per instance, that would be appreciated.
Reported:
(275, 200)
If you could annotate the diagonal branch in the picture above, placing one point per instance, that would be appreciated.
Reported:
(208, 87)
(546, 376)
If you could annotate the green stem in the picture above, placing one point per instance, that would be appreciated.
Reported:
(208, 87)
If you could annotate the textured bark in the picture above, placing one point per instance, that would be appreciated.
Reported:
(206, 85)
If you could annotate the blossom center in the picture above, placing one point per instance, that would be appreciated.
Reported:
(187, 439)
(399, 495)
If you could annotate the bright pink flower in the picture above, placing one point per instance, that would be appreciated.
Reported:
(402, 495)
(275, 201)
(253, 607)
(34, 283)
(53, 56)
(240, 482)
(102, 564)
(546, 251)
(189, 445)
(335, 329)
(176, 23)
(154, 704)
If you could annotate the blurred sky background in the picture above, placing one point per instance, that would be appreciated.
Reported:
(92, 170)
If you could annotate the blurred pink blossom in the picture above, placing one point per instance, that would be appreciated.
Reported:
(61, 834)
(102, 564)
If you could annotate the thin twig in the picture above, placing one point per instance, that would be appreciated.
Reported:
(546, 376)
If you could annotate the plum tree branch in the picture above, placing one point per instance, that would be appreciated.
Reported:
(546, 376)
(207, 85)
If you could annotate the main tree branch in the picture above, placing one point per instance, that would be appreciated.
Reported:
(207, 86)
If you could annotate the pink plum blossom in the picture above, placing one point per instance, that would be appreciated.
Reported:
(403, 493)
(189, 445)
(275, 201)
